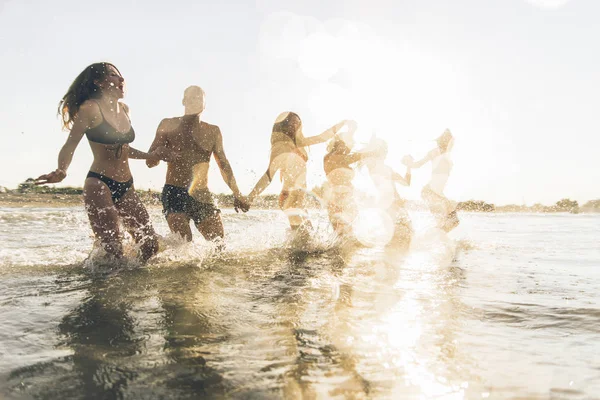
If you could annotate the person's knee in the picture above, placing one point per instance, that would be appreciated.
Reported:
(212, 227)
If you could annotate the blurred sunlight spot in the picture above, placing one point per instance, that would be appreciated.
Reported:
(373, 227)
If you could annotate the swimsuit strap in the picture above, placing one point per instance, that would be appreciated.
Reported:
(104, 118)
(99, 108)
(126, 113)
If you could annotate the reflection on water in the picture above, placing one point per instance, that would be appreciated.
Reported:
(341, 322)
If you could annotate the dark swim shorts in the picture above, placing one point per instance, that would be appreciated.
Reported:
(176, 199)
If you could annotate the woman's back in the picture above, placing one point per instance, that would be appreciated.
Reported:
(292, 163)
(338, 170)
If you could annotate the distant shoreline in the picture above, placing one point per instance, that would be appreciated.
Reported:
(151, 199)
(54, 200)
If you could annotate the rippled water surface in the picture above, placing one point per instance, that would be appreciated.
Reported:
(505, 307)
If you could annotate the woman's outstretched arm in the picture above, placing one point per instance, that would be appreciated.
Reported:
(323, 137)
(65, 156)
(411, 163)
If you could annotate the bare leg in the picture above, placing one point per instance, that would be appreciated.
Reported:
(103, 216)
(342, 212)
(137, 222)
(180, 223)
(293, 207)
(442, 209)
(212, 228)
(340, 226)
(451, 221)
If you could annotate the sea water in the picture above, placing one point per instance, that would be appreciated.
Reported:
(504, 307)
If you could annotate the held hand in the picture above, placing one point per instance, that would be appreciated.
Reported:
(337, 127)
(352, 125)
(165, 154)
(53, 177)
(408, 161)
(241, 203)
(153, 160)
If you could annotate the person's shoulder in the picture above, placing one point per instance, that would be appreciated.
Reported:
(175, 121)
(168, 125)
(124, 106)
(211, 127)
(89, 106)
(89, 111)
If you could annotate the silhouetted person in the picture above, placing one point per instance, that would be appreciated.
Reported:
(443, 209)
(185, 195)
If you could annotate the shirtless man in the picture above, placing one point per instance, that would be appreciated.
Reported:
(185, 195)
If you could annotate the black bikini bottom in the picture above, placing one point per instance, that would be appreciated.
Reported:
(117, 189)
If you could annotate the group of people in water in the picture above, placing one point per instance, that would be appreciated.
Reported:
(92, 107)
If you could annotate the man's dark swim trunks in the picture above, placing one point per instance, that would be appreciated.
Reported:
(176, 199)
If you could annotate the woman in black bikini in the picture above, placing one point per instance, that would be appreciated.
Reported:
(91, 107)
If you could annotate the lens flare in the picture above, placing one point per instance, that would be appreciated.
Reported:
(373, 227)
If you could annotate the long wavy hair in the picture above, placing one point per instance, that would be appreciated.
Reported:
(289, 124)
(83, 88)
(445, 141)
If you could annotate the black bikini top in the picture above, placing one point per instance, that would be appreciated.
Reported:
(107, 134)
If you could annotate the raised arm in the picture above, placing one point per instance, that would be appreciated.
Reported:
(403, 180)
(411, 163)
(360, 155)
(323, 137)
(86, 114)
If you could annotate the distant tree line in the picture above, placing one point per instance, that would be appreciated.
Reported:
(564, 205)
(312, 199)
(475, 205)
(30, 187)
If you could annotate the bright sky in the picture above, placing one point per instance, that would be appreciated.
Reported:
(516, 81)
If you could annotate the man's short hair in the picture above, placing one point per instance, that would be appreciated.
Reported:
(194, 91)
